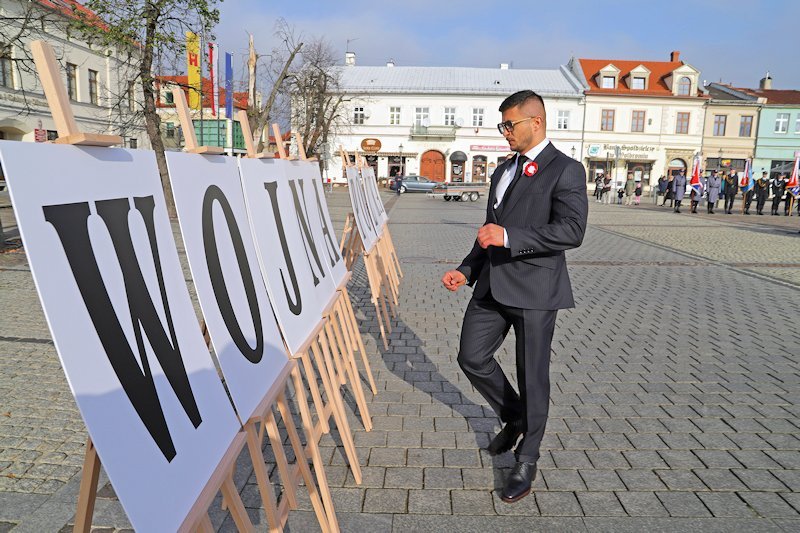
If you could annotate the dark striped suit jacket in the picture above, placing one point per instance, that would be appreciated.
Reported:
(543, 215)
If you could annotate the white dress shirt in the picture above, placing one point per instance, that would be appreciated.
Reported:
(508, 176)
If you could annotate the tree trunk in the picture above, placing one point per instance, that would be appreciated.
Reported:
(151, 119)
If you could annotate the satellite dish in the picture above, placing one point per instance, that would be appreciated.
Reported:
(459, 122)
(426, 122)
(367, 112)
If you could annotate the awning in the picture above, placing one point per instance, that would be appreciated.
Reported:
(458, 157)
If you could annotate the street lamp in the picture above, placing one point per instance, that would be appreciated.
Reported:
(573, 152)
(402, 170)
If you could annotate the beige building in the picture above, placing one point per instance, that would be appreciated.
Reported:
(730, 131)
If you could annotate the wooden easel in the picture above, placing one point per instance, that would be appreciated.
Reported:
(332, 333)
(221, 479)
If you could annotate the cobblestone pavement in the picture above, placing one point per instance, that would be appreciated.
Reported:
(675, 399)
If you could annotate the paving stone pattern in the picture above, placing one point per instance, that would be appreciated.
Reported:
(674, 406)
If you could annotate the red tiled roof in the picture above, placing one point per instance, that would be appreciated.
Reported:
(656, 86)
(773, 96)
(73, 9)
(239, 98)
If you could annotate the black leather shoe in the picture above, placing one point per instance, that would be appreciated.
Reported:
(506, 439)
(518, 483)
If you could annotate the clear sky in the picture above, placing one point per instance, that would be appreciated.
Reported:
(733, 41)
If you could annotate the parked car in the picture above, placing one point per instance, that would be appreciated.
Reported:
(414, 184)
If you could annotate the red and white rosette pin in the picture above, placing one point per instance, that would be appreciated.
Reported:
(530, 168)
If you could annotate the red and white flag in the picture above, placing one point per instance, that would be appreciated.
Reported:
(212, 74)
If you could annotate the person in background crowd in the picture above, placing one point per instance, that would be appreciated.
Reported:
(713, 183)
(668, 194)
(748, 196)
(678, 190)
(630, 187)
(778, 188)
(398, 184)
(695, 197)
(638, 192)
(731, 190)
(606, 190)
(598, 187)
(620, 194)
(762, 192)
(662, 187)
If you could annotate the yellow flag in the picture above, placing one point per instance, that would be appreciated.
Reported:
(193, 69)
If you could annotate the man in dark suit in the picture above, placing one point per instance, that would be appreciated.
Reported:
(537, 209)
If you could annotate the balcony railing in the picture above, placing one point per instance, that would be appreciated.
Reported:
(440, 132)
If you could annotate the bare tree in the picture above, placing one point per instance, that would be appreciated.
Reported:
(152, 26)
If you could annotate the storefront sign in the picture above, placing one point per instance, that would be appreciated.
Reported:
(593, 150)
(40, 135)
(371, 145)
(489, 148)
(635, 152)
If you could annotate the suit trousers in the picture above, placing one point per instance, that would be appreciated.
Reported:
(486, 324)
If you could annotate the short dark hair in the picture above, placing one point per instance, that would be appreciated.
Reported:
(520, 98)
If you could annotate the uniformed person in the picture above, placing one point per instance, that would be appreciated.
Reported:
(762, 192)
(778, 188)
(678, 190)
(731, 189)
(713, 184)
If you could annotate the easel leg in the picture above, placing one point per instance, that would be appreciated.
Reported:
(205, 525)
(314, 388)
(316, 458)
(88, 490)
(352, 324)
(355, 382)
(280, 458)
(262, 477)
(236, 507)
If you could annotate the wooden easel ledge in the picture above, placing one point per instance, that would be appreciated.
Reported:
(241, 115)
(68, 132)
(188, 127)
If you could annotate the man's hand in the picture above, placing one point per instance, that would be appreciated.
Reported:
(453, 279)
(491, 235)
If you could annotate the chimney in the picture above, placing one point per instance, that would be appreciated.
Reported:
(390, 63)
(503, 66)
(350, 59)
(766, 82)
(675, 56)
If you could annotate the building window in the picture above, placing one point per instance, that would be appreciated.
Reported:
(797, 124)
(684, 86)
(358, 115)
(170, 130)
(72, 82)
(394, 116)
(133, 143)
(746, 126)
(52, 135)
(93, 86)
(421, 114)
(131, 96)
(477, 117)
(638, 83)
(682, 123)
(449, 116)
(607, 120)
(6, 67)
(169, 98)
(719, 125)
(782, 123)
(608, 82)
(563, 120)
(637, 121)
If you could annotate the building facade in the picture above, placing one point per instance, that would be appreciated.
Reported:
(643, 118)
(441, 122)
(98, 79)
(731, 127)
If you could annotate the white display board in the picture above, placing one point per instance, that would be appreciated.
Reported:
(224, 264)
(102, 253)
(320, 217)
(285, 262)
(368, 174)
(367, 227)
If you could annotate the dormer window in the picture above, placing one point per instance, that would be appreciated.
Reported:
(608, 82)
(684, 86)
(608, 77)
(638, 83)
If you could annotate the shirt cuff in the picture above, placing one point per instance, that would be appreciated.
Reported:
(505, 238)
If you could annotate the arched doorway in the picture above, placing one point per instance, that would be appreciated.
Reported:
(676, 166)
(458, 161)
(432, 166)
(479, 168)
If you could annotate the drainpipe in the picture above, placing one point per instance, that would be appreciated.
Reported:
(583, 129)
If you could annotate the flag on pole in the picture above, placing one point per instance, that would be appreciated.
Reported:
(746, 181)
(193, 69)
(228, 85)
(213, 77)
(696, 183)
(793, 185)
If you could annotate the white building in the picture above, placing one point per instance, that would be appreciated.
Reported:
(441, 122)
(642, 117)
(97, 78)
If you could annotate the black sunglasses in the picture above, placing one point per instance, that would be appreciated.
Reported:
(508, 126)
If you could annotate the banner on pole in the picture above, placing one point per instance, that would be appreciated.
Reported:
(228, 85)
(193, 69)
